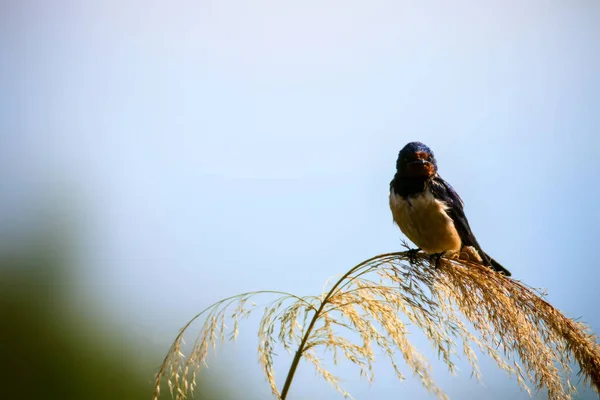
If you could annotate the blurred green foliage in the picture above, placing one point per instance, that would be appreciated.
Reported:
(49, 350)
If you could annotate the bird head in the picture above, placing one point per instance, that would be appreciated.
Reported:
(416, 160)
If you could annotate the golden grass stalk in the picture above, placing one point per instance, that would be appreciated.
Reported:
(382, 298)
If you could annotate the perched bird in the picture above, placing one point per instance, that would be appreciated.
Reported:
(428, 210)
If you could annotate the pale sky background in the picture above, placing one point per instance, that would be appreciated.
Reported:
(214, 147)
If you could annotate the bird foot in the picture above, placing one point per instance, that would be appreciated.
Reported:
(412, 255)
(437, 257)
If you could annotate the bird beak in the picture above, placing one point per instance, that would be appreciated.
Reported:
(419, 161)
(418, 166)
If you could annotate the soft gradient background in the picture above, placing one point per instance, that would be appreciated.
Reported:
(180, 152)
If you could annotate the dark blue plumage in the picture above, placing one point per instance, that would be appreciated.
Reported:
(428, 210)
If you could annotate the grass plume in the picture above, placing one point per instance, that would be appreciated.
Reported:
(525, 335)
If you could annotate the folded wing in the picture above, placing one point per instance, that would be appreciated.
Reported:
(443, 191)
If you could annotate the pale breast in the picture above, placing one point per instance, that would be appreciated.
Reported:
(423, 219)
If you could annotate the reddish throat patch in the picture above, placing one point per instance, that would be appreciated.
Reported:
(420, 170)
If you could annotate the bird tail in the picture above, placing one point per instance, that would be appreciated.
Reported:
(497, 267)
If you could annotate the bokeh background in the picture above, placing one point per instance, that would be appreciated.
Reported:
(158, 156)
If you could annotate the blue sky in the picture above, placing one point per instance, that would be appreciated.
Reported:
(213, 147)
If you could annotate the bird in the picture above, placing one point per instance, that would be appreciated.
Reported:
(430, 212)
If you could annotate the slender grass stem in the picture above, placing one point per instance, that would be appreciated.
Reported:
(313, 321)
(460, 304)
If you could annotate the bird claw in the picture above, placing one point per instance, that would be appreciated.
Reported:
(412, 255)
(437, 257)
